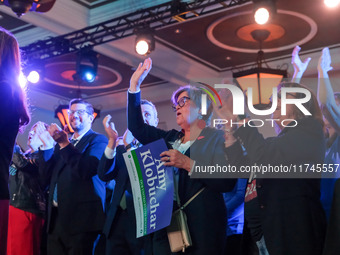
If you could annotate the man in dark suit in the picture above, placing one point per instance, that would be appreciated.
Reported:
(76, 194)
(120, 225)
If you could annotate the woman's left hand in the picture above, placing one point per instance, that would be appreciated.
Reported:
(175, 158)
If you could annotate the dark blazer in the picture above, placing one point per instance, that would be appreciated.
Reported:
(332, 244)
(292, 218)
(206, 214)
(26, 192)
(9, 127)
(115, 169)
(81, 194)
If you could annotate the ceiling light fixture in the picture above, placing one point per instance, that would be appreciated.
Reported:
(21, 7)
(86, 66)
(331, 3)
(264, 10)
(261, 80)
(145, 41)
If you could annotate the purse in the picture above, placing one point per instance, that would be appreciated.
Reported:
(178, 231)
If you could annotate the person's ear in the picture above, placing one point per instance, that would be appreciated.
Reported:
(91, 118)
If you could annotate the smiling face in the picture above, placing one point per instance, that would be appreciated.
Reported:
(79, 118)
(186, 114)
(149, 115)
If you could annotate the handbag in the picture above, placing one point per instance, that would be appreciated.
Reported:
(178, 231)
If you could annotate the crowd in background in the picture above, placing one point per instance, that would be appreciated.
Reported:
(70, 193)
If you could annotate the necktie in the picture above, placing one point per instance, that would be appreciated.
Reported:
(55, 192)
(122, 203)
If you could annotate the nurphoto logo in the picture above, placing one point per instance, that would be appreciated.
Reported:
(239, 103)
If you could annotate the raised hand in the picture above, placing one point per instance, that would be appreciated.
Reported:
(44, 136)
(324, 64)
(299, 66)
(226, 110)
(58, 135)
(139, 75)
(110, 131)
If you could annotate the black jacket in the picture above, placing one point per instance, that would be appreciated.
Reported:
(26, 192)
(292, 218)
(206, 214)
(81, 194)
(115, 169)
(9, 127)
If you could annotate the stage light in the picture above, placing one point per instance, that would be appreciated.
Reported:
(33, 77)
(86, 66)
(22, 80)
(20, 7)
(261, 16)
(89, 75)
(261, 79)
(332, 3)
(145, 42)
(263, 10)
(34, 71)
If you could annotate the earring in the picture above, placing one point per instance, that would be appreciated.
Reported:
(201, 123)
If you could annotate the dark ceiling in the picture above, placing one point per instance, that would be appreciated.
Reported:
(219, 41)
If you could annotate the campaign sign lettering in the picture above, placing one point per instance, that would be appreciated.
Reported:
(152, 187)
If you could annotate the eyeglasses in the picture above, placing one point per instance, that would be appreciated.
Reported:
(79, 112)
(180, 102)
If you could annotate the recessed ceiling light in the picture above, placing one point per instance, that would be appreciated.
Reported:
(178, 31)
(331, 3)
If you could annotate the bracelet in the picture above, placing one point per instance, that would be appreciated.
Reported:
(129, 146)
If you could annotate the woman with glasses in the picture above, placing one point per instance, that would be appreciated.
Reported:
(14, 115)
(283, 215)
(206, 213)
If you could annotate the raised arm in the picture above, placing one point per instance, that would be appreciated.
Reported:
(326, 99)
(143, 132)
(107, 169)
(299, 66)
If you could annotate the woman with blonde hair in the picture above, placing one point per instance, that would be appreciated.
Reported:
(14, 115)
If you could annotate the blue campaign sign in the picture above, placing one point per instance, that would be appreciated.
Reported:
(152, 187)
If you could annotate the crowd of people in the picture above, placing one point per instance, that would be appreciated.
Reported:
(53, 197)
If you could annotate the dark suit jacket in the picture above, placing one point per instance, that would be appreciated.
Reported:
(292, 218)
(81, 194)
(206, 214)
(9, 127)
(332, 244)
(115, 169)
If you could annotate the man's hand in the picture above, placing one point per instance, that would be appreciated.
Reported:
(299, 66)
(225, 111)
(139, 75)
(324, 64)
(58, 135)
(110, 131)
(44, 136)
